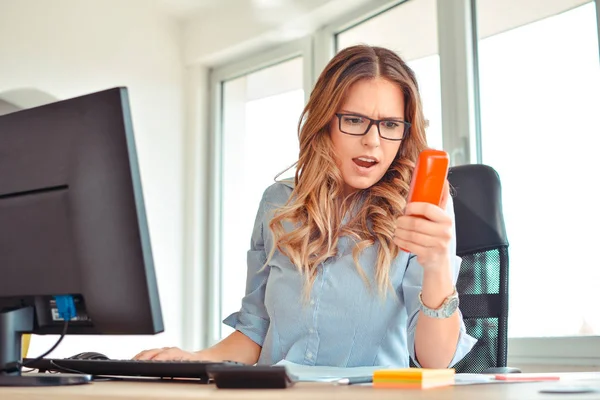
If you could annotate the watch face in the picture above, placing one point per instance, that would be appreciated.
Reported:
(451, 306)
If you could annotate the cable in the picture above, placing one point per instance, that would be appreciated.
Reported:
(62, 336)
(65, 369)
(67, 311)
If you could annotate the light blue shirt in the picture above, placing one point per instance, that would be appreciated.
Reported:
(344, 323)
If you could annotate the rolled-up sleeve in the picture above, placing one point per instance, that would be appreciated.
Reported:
(252, 319)
(411, 287)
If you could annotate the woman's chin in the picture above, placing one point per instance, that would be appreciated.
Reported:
(355, 183)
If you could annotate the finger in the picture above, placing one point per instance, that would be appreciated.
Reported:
(424, 226)
(172, 354)
(427, 210)
(413, 223)
(147, 354)
(166, 356)
(165, 353)
(409, 247)
(417, 238)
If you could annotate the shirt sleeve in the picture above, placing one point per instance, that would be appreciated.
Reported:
(252, 319)
(411, 287)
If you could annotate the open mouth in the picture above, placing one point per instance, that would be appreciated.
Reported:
(365, 162)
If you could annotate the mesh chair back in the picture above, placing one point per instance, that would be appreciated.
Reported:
(483, 279)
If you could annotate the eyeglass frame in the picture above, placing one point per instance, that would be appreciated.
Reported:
(375, 122)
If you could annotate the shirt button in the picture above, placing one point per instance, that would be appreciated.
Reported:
(311, 330)
(309, 355)
(312, 302)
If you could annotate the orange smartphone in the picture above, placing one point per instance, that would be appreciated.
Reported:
(429, 177)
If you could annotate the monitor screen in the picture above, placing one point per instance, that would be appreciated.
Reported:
(73, 222)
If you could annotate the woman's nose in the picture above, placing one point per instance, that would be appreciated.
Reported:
(371, 138)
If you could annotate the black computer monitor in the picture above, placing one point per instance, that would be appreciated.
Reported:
(72, 222)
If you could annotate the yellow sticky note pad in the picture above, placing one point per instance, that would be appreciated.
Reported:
(25, 339)
(413, 378)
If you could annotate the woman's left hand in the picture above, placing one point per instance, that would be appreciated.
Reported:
(426, 231)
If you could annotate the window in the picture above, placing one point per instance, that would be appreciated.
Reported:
(410, 29)
(260, 117)
(540, 92)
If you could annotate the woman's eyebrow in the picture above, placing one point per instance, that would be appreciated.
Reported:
(366, 116)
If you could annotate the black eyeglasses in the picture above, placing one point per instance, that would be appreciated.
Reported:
(359, 125)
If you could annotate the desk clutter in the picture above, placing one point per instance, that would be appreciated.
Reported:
(240, 376)
(286, 374)
(278, 376)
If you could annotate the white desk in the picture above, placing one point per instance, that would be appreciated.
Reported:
(127, 390)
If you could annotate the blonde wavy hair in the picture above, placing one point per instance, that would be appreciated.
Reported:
(317, 206)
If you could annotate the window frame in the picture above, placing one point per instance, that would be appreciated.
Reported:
(550, 350)
(217, 77)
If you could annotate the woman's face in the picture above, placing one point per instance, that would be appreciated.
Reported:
(364, 160)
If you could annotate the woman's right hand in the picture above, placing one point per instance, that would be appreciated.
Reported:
(174, 354)
(235, 347)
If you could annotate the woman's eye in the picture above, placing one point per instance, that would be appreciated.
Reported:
(391, 124)
(353, 120)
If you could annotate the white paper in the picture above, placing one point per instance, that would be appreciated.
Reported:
(474, 379)
(307, 373)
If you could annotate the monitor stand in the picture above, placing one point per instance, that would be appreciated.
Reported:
(13, 323)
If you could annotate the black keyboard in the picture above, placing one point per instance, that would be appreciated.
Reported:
(139, 368)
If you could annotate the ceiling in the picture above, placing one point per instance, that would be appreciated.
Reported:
(217, 31)
(186, 9)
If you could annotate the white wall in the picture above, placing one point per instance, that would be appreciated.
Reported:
(67, 48)
(6, 107)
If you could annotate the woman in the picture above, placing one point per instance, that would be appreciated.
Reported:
(327, 283)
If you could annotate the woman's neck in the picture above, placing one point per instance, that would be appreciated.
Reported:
(348, 190)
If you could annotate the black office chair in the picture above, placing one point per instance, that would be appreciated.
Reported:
(483, 279)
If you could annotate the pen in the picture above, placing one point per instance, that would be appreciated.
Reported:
(355, 380)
